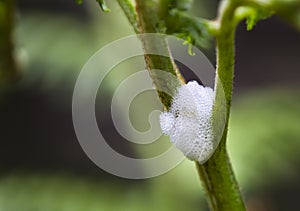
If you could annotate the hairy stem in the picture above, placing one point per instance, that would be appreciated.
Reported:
(130, 13)
(216, 174)
(148, 22)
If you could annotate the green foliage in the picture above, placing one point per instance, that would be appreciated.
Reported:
(192, 29)
(176, 20)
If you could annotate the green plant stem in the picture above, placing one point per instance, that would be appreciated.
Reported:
(8, 69)
(130, 13)
(147, 13)
(216, 174)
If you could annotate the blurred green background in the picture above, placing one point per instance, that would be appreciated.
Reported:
(42, 166)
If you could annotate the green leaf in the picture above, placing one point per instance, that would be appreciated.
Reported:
(103, 5)
(192, 29)
(257, 14)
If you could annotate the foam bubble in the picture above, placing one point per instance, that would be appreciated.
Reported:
(188, 123)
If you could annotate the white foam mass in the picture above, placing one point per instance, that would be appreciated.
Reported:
(188, 122)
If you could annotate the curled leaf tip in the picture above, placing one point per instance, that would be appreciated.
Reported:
(255, 16)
